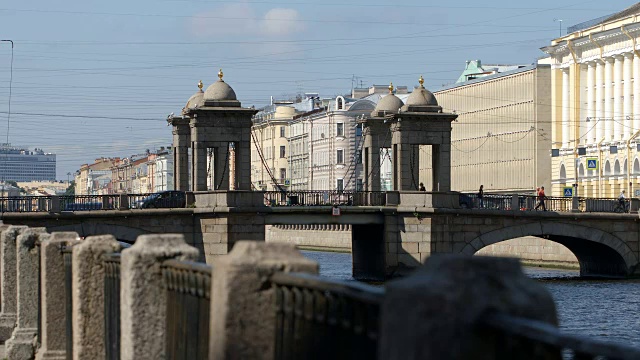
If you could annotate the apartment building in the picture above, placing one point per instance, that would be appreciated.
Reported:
(18, 163)
(596, 107)
(95, 179)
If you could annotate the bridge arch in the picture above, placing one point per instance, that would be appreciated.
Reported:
(598, 252)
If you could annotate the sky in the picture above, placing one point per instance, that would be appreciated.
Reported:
(97, 79)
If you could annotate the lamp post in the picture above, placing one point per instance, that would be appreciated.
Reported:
(4, 171)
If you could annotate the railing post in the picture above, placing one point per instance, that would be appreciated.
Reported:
(88, 295)
(515, 202)
(9, 283)
(634, 205)
(55, 204)
(190, 199)
(242, 301)
(21, 345)
(452, 293)
(124, 202)
(143, 298)
(52, 296)
(575, 204)
(392, 198)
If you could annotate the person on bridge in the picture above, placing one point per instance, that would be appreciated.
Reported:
(541, 197)
(621, 199)
(422, 188)
(481, 196)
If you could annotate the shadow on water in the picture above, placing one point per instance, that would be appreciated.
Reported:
(606, 309)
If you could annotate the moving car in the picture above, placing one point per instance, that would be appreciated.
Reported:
(165, 199)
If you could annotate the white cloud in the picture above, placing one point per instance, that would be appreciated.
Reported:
(241, 19)
(282, 22)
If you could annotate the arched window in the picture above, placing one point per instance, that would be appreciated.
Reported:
(616, 168)
(607, 168)
(581, 170)
(339, 103)
(563, 172)
(636, 166)
(624, 167)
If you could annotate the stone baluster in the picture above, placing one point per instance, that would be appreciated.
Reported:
(88, 295)
(241, 295)
(452, 293)
(8, 272)
(143, 300)
(23, 340)
(52, 296)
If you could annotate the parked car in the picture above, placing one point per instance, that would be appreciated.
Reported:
(165, 199)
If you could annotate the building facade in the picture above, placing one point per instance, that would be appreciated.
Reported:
(596, 106)
(21, 164)
(502, 137)
(95, 179)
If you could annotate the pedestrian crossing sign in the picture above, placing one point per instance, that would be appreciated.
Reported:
(567, 191)
(592, 164)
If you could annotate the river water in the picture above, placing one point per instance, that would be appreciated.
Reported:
(605, 309)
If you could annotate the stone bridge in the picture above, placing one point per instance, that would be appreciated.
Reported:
(385, 239)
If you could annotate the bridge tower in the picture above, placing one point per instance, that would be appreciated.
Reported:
(212, 123)
(408, 126)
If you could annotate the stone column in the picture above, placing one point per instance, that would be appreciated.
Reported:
(52, 296)
(199, 153)
(23, 340)
(628, 96)
(452, 293)
(636, 95)
(181, 142)
(442, 162)
(402, 168)
(221, 167)
(372, 146)
(243, 161)
(143, 300)
(591, 99)
(243, 321)
(9, 281)
(566, 123)
(618, 118)
(608, 99)
(599, 105)
(88, 295)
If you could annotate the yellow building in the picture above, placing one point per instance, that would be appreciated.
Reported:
(502, 137)
(596, 106)
(270, 130)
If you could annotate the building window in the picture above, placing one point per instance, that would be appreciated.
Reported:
(282, 151)
(283, 173)
(281, 131)
(340, 184)
(358, 156)
(359, 185)
(358, 130)
(340, 156)
(340, 129)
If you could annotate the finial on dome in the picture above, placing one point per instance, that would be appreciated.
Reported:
(200, 84)
(391, 88)
(220, 74)
(421, 81)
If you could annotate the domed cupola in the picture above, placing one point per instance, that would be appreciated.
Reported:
(220, 94)
(388, 105)
(196, 100)
(421, 100)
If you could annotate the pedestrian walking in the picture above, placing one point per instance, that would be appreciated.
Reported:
(541, 198)
(422, 188)
(481, 196)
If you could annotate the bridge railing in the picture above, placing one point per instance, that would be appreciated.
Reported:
(25, 204)
(532, 332)
(112, 305)
(89, 202)
(188, 287)
(317, 318)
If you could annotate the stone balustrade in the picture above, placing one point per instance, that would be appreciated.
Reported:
(262, 301)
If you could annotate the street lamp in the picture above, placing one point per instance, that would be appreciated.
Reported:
(8, 115)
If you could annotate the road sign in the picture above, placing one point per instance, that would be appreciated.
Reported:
(567, 191)
(592, 164)
(287, 182)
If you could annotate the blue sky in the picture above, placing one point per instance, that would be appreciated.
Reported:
(94, 79)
